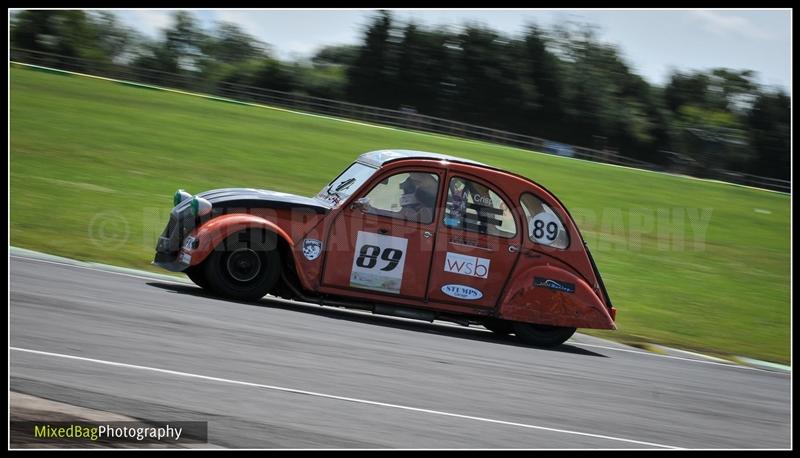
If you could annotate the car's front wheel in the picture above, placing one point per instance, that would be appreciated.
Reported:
(197, 275)
(541, 335)
(245, 266)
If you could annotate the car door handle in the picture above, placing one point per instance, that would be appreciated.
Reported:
(427, 234)
(513, 248)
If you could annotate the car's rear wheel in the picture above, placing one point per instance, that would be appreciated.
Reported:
(245, 266)
(541, 335)
(501, 327)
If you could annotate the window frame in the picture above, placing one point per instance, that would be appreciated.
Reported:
(503, 197)
(389, 174)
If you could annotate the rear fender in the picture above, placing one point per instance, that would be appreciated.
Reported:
(213, 232)
(548, 294)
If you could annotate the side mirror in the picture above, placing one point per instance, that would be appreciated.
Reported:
(360, 204)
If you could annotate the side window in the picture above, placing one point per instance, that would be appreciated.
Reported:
(474, 207)
(544, 226)
(410, 196)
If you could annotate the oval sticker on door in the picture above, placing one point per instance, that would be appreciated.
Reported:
(462, 292)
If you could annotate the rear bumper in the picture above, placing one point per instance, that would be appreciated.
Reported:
(611, 310)
(170, 262)
(169, 254)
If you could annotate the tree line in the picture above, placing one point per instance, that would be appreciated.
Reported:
(561, 83)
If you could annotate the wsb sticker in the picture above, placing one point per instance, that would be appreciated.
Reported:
(466, 265)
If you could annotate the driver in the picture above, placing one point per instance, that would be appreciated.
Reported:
(419, 197)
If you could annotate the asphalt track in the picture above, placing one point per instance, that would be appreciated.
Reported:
(280, 374)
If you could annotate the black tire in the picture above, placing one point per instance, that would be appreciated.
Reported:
(198, 276)
(245, 266)
(541, 335)
(497, 326)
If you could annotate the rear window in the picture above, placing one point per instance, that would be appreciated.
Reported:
(544, 225)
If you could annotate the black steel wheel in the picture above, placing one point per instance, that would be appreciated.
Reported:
(541, 335)
(245, 266)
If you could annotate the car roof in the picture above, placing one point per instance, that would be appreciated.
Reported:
(381, 157)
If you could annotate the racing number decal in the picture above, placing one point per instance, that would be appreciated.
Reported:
(538, 230)
(378, 262)
(544, 228)
(368, 257)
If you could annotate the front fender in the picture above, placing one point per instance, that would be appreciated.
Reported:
(213, 232)
(548, 294)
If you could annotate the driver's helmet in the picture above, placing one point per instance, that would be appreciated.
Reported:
(419, 189)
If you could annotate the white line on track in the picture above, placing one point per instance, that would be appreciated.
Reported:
(108, 271)
(154, 277)
(699, 355)
(669, 356)
(338, 398)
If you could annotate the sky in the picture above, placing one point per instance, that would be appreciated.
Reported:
(653, 42)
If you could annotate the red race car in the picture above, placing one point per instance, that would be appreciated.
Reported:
(405, 233)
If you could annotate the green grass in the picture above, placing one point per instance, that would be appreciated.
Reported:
(94, 165)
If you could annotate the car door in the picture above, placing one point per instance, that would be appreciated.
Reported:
(477, 244)
(384, 241)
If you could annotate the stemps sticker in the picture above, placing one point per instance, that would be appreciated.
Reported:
(462, 292)
(378, 262)
(543, 228)
(312, 248)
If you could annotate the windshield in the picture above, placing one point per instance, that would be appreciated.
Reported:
(346, 184)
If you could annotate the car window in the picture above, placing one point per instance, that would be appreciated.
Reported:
(474, 207)
(410, 196)
(346, 183)
(544, 225)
